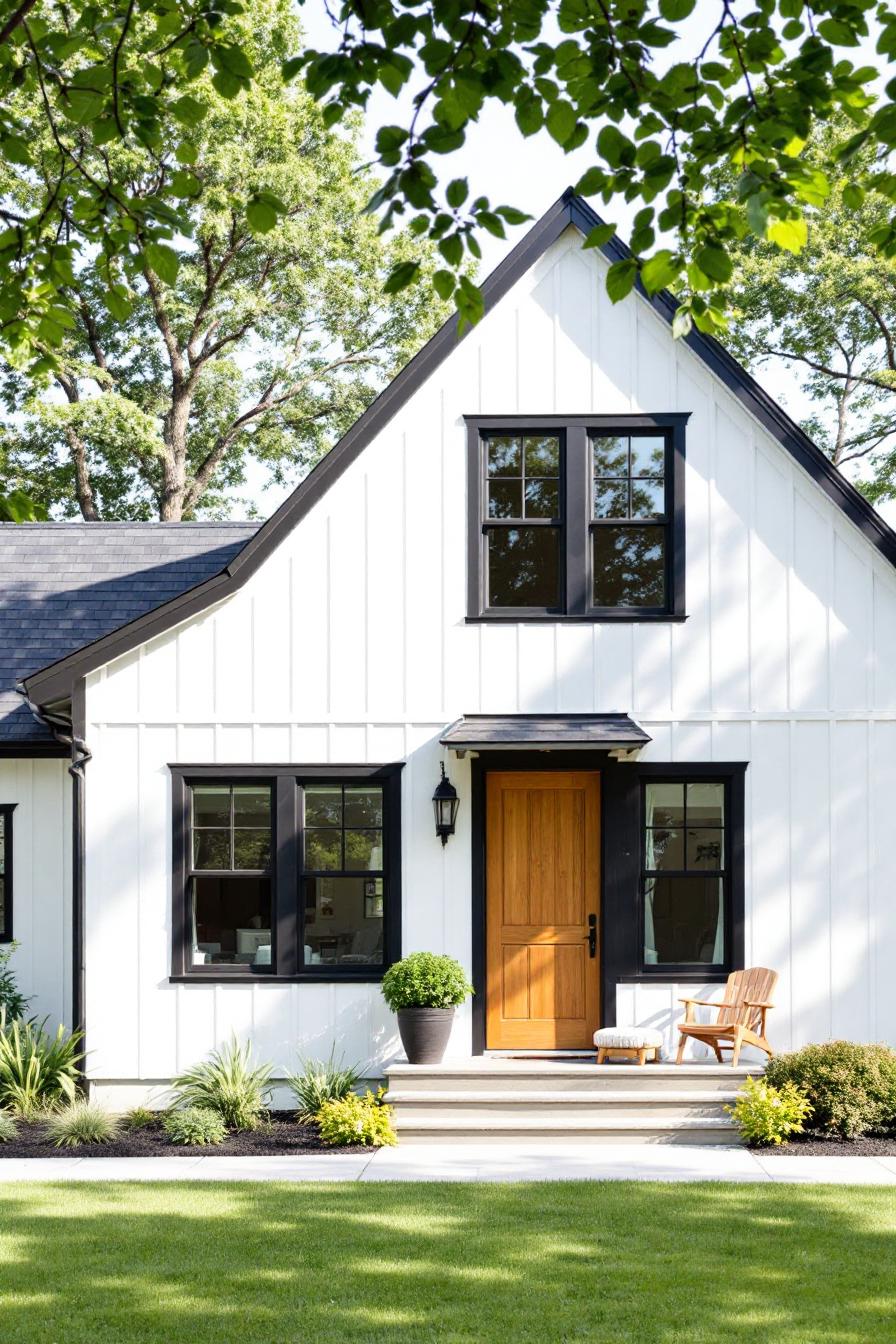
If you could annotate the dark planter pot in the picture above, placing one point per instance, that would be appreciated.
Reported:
(424, 1033)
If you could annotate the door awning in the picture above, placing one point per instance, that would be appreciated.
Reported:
(615, 733)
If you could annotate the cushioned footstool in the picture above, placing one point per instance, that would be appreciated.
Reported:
(628, 1043)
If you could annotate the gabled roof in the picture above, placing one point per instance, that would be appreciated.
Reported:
(66, 584)
(55, 681)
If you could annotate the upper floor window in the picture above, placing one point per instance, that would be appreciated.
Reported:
(578, 517)
(6, 811)
(286, 872)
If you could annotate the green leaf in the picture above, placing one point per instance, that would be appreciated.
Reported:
(599, 235)
(15, 149)
(621, 279)
(529, 113)
(839, 34)
(681, 323)
(401, 276)
(456, 192)
(119, 307)
(715, 262)
(561, 120)
(613, 146)
(186, 152)
(163, 260)
(853, 196)
(673, 10)
(189, 111)
(443, 284)
(261, 215)
(452, 249)
(232, 59)
(791, 234)
(660, 270)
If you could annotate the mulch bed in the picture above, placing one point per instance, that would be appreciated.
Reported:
(282, 1137)
(813, 1146)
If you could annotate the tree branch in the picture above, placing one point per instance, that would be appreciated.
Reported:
(15, 19)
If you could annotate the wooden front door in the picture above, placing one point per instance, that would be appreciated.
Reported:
(542, 899)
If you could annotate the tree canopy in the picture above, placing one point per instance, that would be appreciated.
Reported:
(254, 333)
(829, 315)
(673, 90)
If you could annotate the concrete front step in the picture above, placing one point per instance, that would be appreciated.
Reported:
(566, 1129)
(488, 1108)
(513, 1076)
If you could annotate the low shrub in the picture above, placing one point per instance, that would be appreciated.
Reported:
(227, 1082)
(319, 1081)
(195, 1126)
(353, 1119)
(768, 1115)
(8, 1127)
(425, 980)
(38, 1072)
(12, 1002)
(80, 1122)
(851, 1088)
(141, 1117)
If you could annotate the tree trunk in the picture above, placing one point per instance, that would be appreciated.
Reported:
(174, 474)
(83, 489)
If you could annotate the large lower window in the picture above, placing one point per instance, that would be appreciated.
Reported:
(285, 874)
(6, 811)
(578, 517)
(685, 876)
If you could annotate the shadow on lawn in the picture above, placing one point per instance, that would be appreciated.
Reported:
(275, 1263)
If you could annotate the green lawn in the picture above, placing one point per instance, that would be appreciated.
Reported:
(273, 1264)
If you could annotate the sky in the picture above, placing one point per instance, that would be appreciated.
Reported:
(529, 174)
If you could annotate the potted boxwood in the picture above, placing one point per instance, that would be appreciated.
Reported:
(423, 990)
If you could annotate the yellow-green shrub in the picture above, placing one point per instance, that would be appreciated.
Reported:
(355, 1119)
(768, 1115)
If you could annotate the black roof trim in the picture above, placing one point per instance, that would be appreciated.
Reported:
(510, 732)
(55, 682)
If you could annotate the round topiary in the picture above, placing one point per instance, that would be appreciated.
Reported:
(851, 1087)
(425, 980)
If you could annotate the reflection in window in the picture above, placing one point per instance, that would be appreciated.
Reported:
(685, 873)
(230, 848)
(343, 875)
(628, 532)
(523, 520)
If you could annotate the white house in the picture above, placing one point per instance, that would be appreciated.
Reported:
(598, 575)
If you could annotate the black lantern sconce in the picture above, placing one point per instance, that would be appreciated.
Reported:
(445, 803)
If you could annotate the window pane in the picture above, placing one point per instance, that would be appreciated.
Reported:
(504, 457)
(706, 804)
(648, 455)
(363, 807)
(211, 804)
(3, 928)
(610, 456)
(664, 804)
(505, 499)
(542, 456)
(231, 921)
(648, 499)
(363, 850)
(251, 849)
(542, 499)
(211, 849)
(251, 805)
(611, 499)
(323, 850)
(705, 848)
(683, 921)
(629, 566)
(343, 921)
(664, 849)
(524, 567)
(323, 805)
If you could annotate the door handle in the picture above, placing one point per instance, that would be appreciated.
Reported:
(592, 935)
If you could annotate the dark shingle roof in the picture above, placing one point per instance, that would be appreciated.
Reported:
(63, 585)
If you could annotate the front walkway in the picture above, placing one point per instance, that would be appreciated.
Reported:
(472, 1162)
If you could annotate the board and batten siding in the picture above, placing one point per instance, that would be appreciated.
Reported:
(42, 882)
(350, 645)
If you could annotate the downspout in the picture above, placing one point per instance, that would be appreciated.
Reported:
(68, 730)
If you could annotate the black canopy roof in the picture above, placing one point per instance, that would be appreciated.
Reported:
(544, 732)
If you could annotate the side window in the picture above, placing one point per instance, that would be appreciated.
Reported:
(6, 811)
(524, 521)
(685, 877)
(343, 875)
(629, 547)
(230, 875)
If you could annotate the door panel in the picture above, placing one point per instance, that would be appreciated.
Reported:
(542, 883)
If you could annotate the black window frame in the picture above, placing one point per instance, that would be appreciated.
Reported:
(6, 928)
(286, 871)
(725, 874)
(576, 523)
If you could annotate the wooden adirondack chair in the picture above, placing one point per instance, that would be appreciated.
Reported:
(741, 1015)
